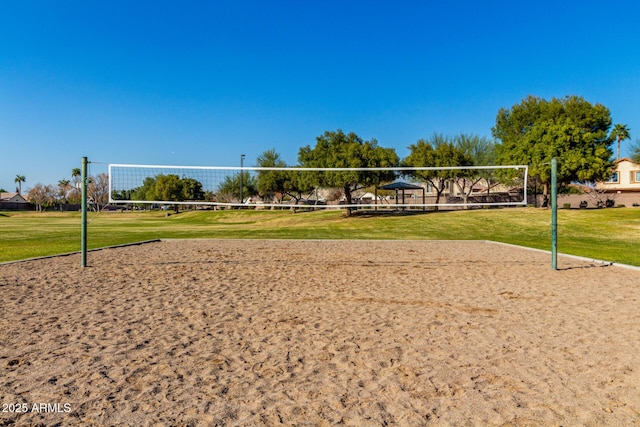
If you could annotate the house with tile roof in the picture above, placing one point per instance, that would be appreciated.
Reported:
(13, 201)
(624, 179)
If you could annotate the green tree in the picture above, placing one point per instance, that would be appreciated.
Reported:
(620, 133)
(571, 129)
(270, 183)
(124, 194)
(481, 151)
(146, 190)
(19, 180)
(340, 150)
(279, 183)
(439, 151)
(191, 189)
(166, 188)
(229, 189)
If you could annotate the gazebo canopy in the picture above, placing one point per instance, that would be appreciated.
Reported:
(400, 185)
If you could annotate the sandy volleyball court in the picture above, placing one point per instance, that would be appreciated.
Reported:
(228, 332)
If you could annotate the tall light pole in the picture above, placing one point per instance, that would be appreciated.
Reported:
(241, 175)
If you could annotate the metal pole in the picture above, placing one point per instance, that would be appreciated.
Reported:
(83, 238)
(554, 213)
(241, 175)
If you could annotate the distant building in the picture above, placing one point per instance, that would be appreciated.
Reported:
(625, 178)
(12, 198)
(10, 201)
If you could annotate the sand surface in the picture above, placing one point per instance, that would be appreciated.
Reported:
(228, 332)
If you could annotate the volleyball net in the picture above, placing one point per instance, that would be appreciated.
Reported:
(280, 187)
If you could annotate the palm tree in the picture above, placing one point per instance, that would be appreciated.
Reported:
(620, 133)
(64, 185)
(19, 180)
(74, 195)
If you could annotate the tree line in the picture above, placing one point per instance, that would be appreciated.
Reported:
(170, 187)
(579, 134)
(532, 132)
(67, 192)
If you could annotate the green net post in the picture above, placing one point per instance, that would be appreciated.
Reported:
(83, 237)
(554, 213)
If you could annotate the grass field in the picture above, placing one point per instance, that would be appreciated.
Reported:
(606, 234)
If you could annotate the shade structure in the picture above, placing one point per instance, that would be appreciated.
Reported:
(402, 186)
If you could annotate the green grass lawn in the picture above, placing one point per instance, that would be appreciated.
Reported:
(607, 234)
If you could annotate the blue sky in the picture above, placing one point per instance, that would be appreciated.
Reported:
(199, 83)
